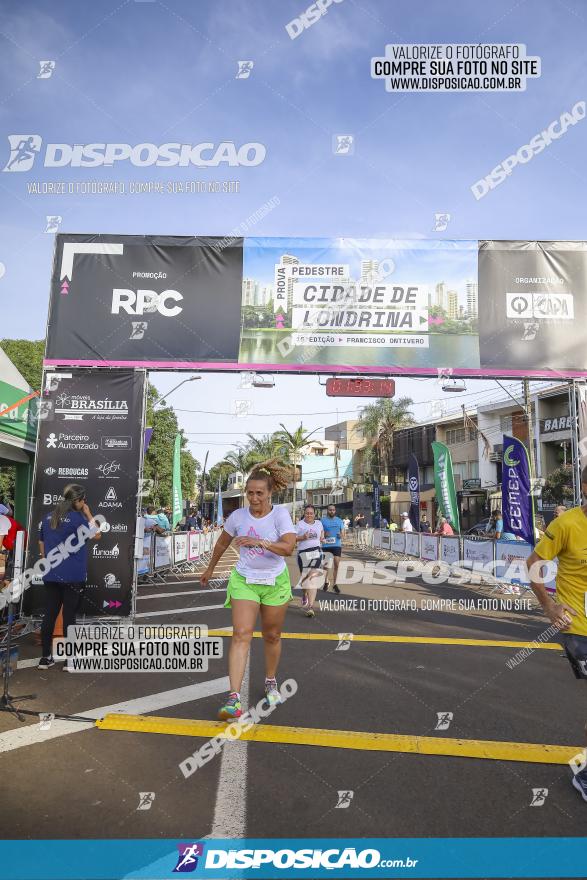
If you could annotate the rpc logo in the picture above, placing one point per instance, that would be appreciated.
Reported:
(145, 301)
(23, 151)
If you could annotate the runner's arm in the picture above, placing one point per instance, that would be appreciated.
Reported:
(557, 612)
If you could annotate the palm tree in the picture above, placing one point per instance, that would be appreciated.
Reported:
(240, 460)
(290, 445)
(379, 421)
(262, 448)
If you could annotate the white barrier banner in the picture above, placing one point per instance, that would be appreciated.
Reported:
(377, 538)
(478, 551)
(412, 544)
(162, 551)
(429, 547)
(510, 561)
(398, 542)
(144, 563)
(512, 556)
(180, 547)
(386, 540)
(194, 545)
(450, 549)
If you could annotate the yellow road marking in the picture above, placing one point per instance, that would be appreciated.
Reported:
(534, 753)
(409, 640)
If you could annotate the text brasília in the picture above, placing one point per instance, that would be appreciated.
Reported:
(52, 560)
(235, 730)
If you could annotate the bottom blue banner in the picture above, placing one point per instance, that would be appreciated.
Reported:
(288, 858)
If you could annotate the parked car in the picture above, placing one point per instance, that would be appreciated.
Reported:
(479, 528)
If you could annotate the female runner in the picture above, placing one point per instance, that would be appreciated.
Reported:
(264, 535)
(309, 537)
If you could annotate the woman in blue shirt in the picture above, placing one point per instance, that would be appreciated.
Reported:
(64, 582)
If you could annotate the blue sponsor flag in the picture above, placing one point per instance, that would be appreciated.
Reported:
(414, 489)
(517, 504)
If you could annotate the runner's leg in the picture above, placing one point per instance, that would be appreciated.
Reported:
(244, 615)
(272, 619)
(335, 570)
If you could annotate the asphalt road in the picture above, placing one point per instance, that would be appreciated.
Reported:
(77, 781)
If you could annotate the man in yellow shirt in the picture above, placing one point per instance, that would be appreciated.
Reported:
(565, 539)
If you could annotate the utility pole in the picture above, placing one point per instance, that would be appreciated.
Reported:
(203, 485)
(530, 423)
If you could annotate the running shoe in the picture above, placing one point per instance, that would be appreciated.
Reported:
(310, 613)
(231, 709)
(46, 663)
(272, 694)
(579, 781)
(336, 588)
(325, 587)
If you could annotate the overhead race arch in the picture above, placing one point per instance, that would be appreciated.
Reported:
(422, 307)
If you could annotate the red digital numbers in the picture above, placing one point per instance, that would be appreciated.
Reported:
(359, 387)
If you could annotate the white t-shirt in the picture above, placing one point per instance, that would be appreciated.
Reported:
(407, 525)
(315, 528)
(255, 561)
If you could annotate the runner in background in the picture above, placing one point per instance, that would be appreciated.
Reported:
(332, 542)
(264, 535)
(309, 535)
(565, 539)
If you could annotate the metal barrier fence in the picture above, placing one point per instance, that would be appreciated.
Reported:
(179, 553)
(502, 560)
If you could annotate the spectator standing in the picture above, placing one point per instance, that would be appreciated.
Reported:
(406, 525)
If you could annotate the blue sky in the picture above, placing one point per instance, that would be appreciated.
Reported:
(160, 72)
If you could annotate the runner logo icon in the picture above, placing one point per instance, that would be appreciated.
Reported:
(23, 151)
(187, 860)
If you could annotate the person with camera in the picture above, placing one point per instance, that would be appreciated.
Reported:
(65, 581)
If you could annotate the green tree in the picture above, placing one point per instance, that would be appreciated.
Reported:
(250, 317)
(558, 488)
(158, 464)
(27, 357)
(290, 445)
(267, 446)
(7, 483)
(240, 459)
(379, 421)
(221, 469)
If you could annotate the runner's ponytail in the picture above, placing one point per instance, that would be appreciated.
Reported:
(276, 475)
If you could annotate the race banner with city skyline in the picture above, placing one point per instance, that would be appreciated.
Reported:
(393, 307)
